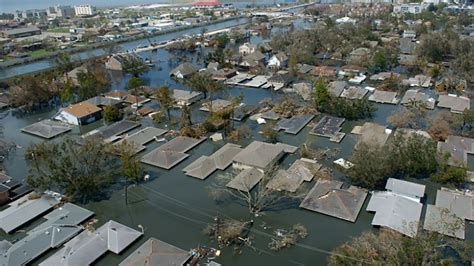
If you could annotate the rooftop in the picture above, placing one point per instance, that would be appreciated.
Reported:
(82, 109)
(111, 132)
(246, 180)
(337, 87)
(330, 197)
(458, 147)
(47, 129)
(206, 165)
(294, 124)
(157, 253)
(462, 205)
(457, 104)
(394, 211)
(88, 246)
(25, 209)
(354, 92)
(441, 220)
(217, 104)
(61, 225)
(384, 97)
(403, 187)
(329, 127)
(417, 96)
(171, 153)
(372, 134)
(290, 180)
(259, 154)
(103, 101)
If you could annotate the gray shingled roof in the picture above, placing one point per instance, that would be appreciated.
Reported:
(259, 154)
(24, 210)
(144, 136)
(185, 69)
(206, 165)
(354, 92)
(384, 97)
(103, 101)
(246, 180)
(394, 211)
(61, 225)
(88, 246)
(457, 104)
(443, 221)
(47, 128)
(330, 197)
(458, 147)
(403, 187)
(456, 202)
(171, 153)
(111, 132)
(157, 253)
(290, 180)
(417, 96)
(336, 87)
(372, 134)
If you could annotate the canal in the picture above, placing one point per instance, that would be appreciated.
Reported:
(175, 208)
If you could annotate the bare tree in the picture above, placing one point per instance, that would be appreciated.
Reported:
(259, 198)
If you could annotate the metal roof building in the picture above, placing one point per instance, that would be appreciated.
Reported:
(61, 225)
(157, 253)
(406, 188)
(395, 211)
(88, 246)
(24, 210)
(443, 221)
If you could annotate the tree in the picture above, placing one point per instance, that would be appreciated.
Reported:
(79, 171)
(200, 82)
(91, 83)
(406, 155)
(134, 65)
(447, 174)
(134, 83)
(379, 61)
(166, 100)
(269, 132)
(261, 198)
(112, 113)
(321, 96)
(131, 166)
(64, 63)
(391, 248)
(67, 93)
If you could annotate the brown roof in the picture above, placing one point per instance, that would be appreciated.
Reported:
(117, 94)
(82, 109)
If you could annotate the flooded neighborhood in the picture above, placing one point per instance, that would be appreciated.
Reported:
(237, 133)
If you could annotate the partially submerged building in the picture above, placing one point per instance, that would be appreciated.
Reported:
(456, 104)
(384, 97)
(89, 246)
(416, 96)
(47, 129)
(458, 148)
(329, 127)
(260, 155)
(216, 105)
(79, 114)
(171, 153)
(336, 87)
(294, 124)
(157, 253)
(138, 139)
(399, 207)
(206, 165)
(290, 180)
(112, 132)
(354, 93)
(60, 226)
(246, 180)
(371, 134)
(184, 97)
(335, 199)
(26, 209)
(184, 70)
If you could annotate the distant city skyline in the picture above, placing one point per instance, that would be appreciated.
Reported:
(9, 6)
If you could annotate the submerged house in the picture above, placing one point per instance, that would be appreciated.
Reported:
(184, 70)
(79, 114)
(277, 61)
(118, 61)
(184, 97)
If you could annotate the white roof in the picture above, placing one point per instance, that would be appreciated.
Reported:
(88, 246)
(405, 188)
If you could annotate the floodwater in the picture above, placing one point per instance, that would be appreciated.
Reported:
(175, 208)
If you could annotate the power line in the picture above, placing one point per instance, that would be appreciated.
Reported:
(262, 233)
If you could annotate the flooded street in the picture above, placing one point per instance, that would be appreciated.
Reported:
(175, 208)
